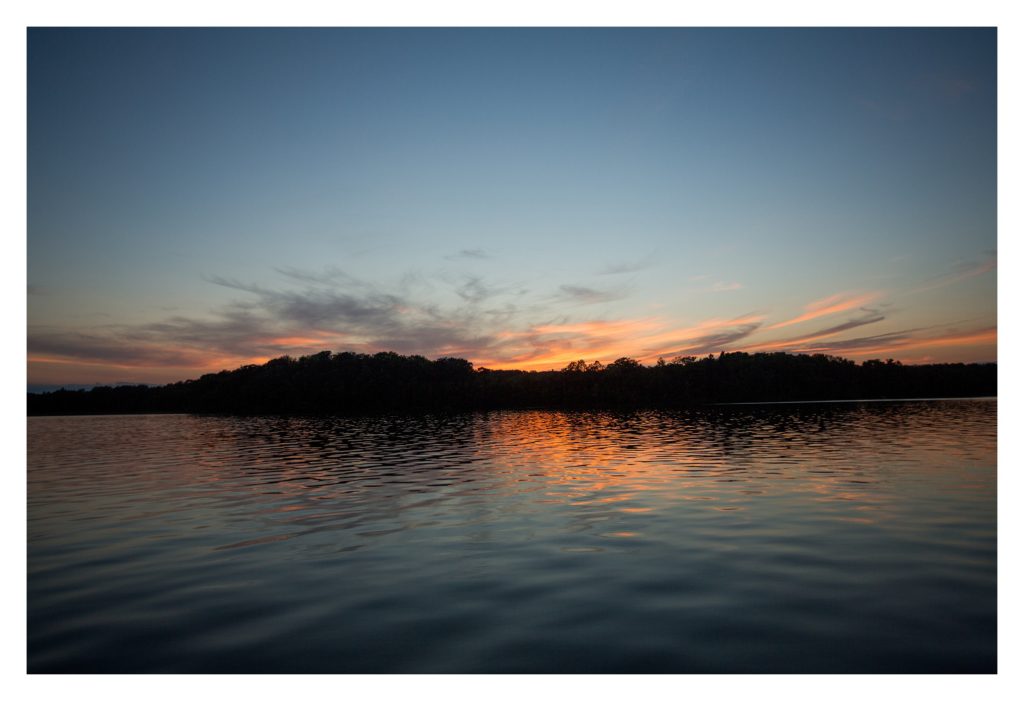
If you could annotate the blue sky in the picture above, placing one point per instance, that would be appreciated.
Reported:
(200, 199)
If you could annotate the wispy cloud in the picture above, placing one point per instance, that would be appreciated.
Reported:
(705, 335)
(725, 286)
(469, 254)
(316, 315)
(471, 317)
(703, 283)
(883, 345)
(959, 273)
(552, 345)
(328, 276)
(909, 339)
(834, 304)
(870, 316)
(627, 266)
(475, 290)
(589, 295)
(712, 341)
(91, 348)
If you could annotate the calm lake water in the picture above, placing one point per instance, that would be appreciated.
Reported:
(840, 537)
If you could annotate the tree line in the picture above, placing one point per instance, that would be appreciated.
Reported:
(350, 383)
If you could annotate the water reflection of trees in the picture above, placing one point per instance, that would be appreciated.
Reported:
(491, 475)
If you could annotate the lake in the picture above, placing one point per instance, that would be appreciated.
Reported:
(829, 537)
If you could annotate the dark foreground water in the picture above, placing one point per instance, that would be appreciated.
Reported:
(843, 537)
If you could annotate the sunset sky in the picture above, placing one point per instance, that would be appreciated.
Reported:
(202, 199)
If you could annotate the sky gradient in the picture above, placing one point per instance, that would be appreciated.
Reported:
(202, 199)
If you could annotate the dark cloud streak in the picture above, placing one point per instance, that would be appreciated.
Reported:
(872, 317)
(627, 267)
(589, 295)
(469, 254)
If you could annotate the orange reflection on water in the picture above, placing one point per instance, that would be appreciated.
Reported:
(669, 474)
(647, 464)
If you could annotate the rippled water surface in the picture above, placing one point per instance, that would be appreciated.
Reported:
(843, 537)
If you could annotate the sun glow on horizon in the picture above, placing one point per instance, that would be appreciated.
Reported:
(549, 346)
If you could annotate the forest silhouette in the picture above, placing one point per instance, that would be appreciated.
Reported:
(348, 382)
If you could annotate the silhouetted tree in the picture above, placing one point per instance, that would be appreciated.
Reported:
(386, 381)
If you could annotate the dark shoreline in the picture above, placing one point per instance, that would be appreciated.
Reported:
(348, 383)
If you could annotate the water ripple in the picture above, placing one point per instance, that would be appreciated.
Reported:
(815, 537)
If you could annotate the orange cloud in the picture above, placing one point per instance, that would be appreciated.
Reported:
(550, 346)
(887, 345)
(322, 338)
(986, 336)
(829, 305)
